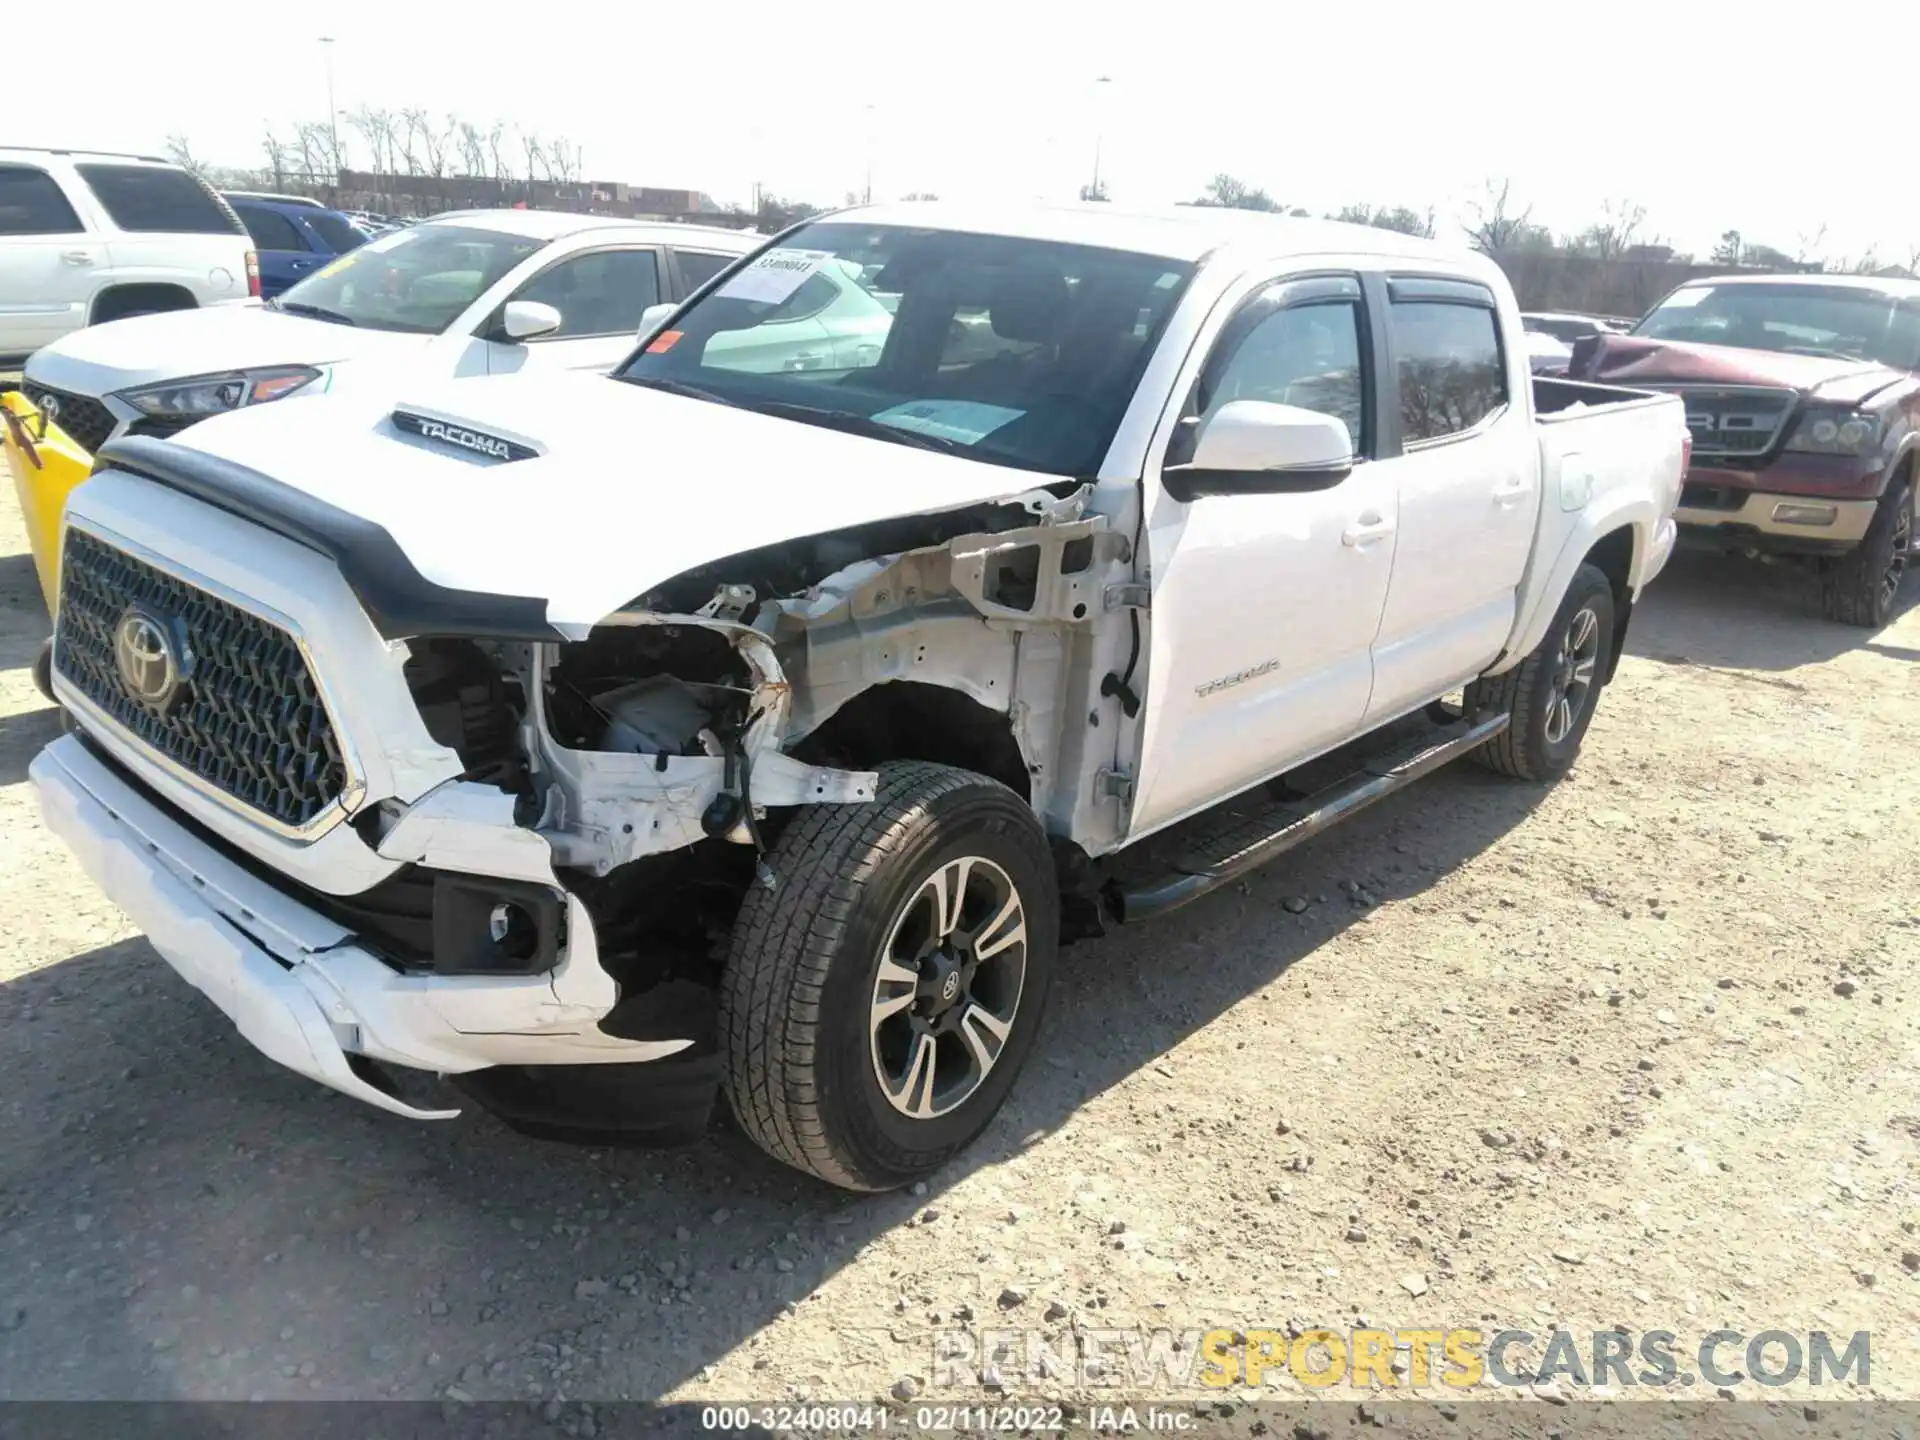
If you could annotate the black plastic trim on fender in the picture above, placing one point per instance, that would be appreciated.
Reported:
(400, 601)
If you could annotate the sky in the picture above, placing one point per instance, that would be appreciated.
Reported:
(1711, 119)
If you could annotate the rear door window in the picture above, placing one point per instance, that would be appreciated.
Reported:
(270, 229)
(697, 267)
(31, 203)
(151, 199)
(1451, 373)
(336, 235)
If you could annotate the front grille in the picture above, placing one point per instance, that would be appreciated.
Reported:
(1736, 422)
(246, 717)
(1695, 496)
(84, 418)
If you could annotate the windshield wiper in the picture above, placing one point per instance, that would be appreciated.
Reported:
(676, 387)
(857, 424)
(318, 312)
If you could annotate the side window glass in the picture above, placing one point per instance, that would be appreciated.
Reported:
(1306, 355)
(31, 203)
(270, 229)
(697, 267)
(1451, 375)
(598, 294)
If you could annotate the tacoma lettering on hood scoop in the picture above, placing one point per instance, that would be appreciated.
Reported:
(1637, 360)
(629, 488)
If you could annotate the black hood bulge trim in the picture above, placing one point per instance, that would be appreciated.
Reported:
(401, 602)
(475, 443)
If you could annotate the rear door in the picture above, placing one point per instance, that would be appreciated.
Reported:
(1468, 484)
(600, 294)
(282, 248)
(1264, 607)
(170, 229)
(48, 262)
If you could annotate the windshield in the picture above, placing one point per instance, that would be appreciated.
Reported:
(417, 280)
(1017, 352)
(1796, 319)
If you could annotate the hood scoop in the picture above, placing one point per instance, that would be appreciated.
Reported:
(443, 431)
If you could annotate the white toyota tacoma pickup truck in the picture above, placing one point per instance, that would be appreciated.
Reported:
(605, 744)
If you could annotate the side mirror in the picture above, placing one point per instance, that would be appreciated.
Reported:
(651, 317)
(526, 319)
(1254, 447)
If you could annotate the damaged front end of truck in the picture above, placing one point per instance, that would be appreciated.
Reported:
(545, 829)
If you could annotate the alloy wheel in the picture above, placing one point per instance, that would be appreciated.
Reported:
(1573, 671)
(948, 987)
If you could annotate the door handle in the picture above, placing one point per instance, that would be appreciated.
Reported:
(1368, 528)
(77, 257)
(1507, 494)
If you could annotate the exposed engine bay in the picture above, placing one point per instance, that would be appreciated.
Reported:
(659, 755)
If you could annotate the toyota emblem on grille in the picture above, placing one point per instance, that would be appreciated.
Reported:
(50, 406)
(147, 658)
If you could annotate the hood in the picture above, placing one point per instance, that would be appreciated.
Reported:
(146, 349)
(1636, 360)
(623, 489)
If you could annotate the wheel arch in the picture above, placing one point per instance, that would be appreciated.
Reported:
(920, 720)
(116, 300)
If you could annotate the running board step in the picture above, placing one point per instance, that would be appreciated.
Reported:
(1246, 842)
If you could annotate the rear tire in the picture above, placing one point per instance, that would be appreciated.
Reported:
(1551, 695)
(1862, 586)
(863, 1042)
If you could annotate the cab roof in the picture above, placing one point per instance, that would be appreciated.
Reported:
(1178, 232)
(559, 224)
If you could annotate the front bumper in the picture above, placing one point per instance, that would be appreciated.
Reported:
(46, 467)
(296, 984)
(1758, 522)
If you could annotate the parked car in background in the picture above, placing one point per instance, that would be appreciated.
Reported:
(1545, 354)
(293, 237)
(602, 743)
(485, 293)
(1566, 327)
(87, 236)
(1803, 396)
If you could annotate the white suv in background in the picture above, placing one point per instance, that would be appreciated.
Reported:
(87, 236)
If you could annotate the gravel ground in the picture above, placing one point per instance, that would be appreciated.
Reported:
(1634, 1051)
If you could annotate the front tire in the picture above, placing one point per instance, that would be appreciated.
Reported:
(1860, 588)
(879, 1002)
(1551, 695)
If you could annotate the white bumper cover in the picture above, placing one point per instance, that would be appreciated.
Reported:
(295, 983)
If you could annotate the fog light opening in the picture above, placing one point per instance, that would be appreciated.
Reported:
(1790, 514)
(515, 933)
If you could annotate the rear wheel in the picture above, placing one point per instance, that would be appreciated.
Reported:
(878, 1004)
(1551, 695)
(1860, 588)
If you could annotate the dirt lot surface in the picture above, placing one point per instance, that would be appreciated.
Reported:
(1636, 1051)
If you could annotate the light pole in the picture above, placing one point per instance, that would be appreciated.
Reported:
(333, 115)
(1099, 133)
(868, 193)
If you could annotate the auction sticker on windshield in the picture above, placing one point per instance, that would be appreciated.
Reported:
(967, 421)
(775, 275)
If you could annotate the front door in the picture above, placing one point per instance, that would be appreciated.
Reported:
(1264, 607)
(600, 295)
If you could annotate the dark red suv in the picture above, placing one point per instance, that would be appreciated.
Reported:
(1803, 396)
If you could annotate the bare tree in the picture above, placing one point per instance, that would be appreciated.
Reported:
(1499, 223)
(278, 159)
(563, 161)
(1810, 243)
(1730, 249)
(1614, 234)
(1232, 193)
(1399, 217)
(537, 166)
(376, 127)
(471, 146)
(181, 153)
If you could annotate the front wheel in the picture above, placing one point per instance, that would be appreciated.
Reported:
(1860, 587)
(880, 1000)
(1551, 695)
